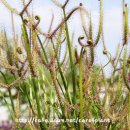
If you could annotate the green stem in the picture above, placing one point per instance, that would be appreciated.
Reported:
(71, 59)
(10, 95)
(37, 102)
(62, 75)
(43, 49)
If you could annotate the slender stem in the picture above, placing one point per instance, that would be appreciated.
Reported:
(81, 93)
(37, 102)
(71, 59)
(10, 95)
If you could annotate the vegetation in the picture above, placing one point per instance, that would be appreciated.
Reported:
(45, 76)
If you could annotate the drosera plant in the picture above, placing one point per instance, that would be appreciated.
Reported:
(38, 80)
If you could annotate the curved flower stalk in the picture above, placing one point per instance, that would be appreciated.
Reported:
(38, 21)
(90, 45)
(31, 20)
(83, 12)
(22, 12)
(83, 45)
(50, 35)
(89, 33)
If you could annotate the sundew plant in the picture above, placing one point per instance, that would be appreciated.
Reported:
(50, 80)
